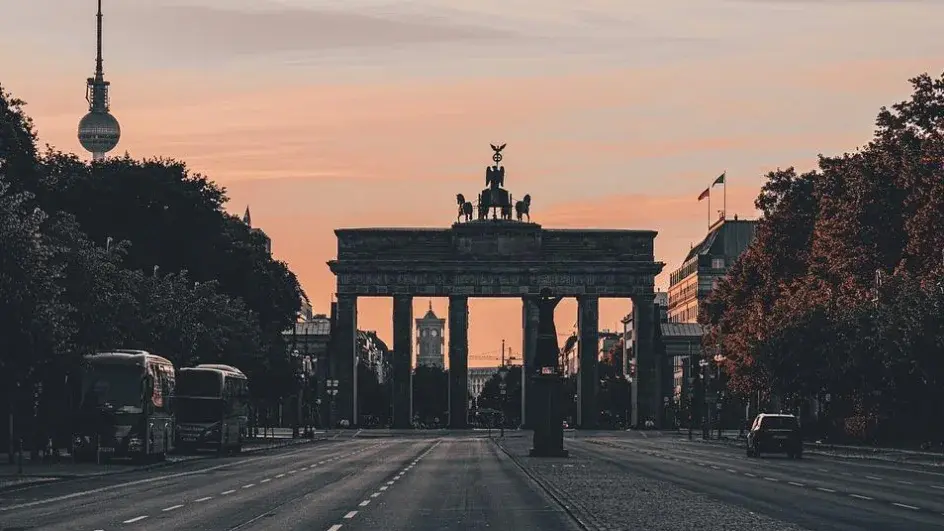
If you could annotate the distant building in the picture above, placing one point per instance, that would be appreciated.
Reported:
(705, 264)
(611, 351)
(630, 335)
(373, 352)
(429, 340)
(310, 337)
(477, 378)
(266, 241)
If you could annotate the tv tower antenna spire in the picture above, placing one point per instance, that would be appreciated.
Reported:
(99, 131)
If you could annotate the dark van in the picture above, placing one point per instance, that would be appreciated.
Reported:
(775, 434)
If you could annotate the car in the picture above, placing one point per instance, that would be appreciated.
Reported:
(775, 434)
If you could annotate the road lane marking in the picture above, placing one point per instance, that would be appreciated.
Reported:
(873, 478)
(172, 507)
(822, 470)
(225, 492)
(364, 503)
(374, 495)
(280, 476)
(771, 479)
(795, 484)
(292, 471)
(249, 485)
(266, 480)
(335, 527)
(938, 487)
(203, 499)
(905, 483)
(384, 487)
(902, 505)
(859, 496)
(135, 519)
(824, 489)
(350, 515)
(748, 474)
(390, 482)
(731, 470)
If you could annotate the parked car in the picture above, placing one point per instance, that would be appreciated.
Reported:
(775, 434)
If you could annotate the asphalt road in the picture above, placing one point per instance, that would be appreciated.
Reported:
(816, 492)
(417, 483)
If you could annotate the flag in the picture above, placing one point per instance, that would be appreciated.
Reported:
(720, 179)
(704, 194)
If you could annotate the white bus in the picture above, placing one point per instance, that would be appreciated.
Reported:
(211, 406)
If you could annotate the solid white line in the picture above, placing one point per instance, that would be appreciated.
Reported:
(228, 492)
(171, 508)
(824, 489)
(912, 507)
(364, 503)
(860, 496)
(203, 499)
(135, 519)
(350, 515)
(795, 484)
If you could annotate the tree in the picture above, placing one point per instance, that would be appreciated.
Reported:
(839, 291)
(430, 394)
(510, 403)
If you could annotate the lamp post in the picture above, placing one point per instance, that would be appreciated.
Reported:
(503, 387)
(705, 415)
(332, 386)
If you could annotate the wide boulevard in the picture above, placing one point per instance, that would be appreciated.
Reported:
(434, 481)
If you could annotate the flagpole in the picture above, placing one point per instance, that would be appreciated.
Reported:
(724, 204)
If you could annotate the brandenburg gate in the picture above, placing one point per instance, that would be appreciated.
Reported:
(489, 254)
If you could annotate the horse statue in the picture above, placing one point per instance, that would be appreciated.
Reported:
(465, 208)
(523, 208)
(506, 212)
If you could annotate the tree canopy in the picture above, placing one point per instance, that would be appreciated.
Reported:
(840, 293)
(127, 253)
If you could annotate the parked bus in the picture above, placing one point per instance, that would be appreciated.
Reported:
(125, 406)
(212, 408)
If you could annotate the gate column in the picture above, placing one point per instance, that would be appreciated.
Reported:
(647, 385)
(588, 324)
(458, 362)
(529, 349)
(344, 368)
(402, 361)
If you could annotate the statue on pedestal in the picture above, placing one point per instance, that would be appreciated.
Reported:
(547, 385)
(495, 199)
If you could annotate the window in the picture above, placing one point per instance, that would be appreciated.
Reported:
(717, 263)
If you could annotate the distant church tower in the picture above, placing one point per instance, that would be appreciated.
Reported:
(247, 219)
(429, 339)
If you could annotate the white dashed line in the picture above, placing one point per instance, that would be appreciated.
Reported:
(905, 483)
(902, 505)
(135, 519)
(384, 487)
(225, 492)
(938, 487)
(266, 480)
(731, 470)
(771, 479)
(203, 499)
(374, 495)
(350, 515)
(292, 471)
(873, 478)
(249, 485)
(795, 484)
(364, 503)
(859, 496)
(824, 489)
(280, 476)
(171, 508)
(822, 470)
(390, 482)
(335, 527)
(716, 467)
(748, 474)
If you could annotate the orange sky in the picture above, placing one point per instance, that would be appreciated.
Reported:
(616, 113)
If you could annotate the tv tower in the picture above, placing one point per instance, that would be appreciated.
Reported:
(98, 130)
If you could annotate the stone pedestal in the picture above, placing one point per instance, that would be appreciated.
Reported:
(402, 361)
(549, 425)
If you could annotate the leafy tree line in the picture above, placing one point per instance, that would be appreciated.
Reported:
(127, 254)
(841, 294)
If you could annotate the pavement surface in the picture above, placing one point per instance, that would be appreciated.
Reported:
(417, 483)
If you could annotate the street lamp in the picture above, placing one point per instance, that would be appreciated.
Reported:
(332, 386)
(503, 387)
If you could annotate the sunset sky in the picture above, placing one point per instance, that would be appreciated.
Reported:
(617, 113)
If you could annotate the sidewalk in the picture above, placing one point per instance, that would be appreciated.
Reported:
(46, 471)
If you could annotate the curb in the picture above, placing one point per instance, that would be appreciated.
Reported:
(62, 478)
(551, 491)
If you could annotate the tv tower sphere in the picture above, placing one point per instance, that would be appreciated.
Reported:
(99, 131)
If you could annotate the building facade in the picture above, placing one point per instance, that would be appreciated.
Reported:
(477, 378)
(429, 340)
(373, 352)
(705, 264)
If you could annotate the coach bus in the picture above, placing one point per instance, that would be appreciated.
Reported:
(212, 408)
(124, 407)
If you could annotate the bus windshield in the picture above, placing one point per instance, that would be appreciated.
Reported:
(199, 383)
(114, 387)
(199, 409)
